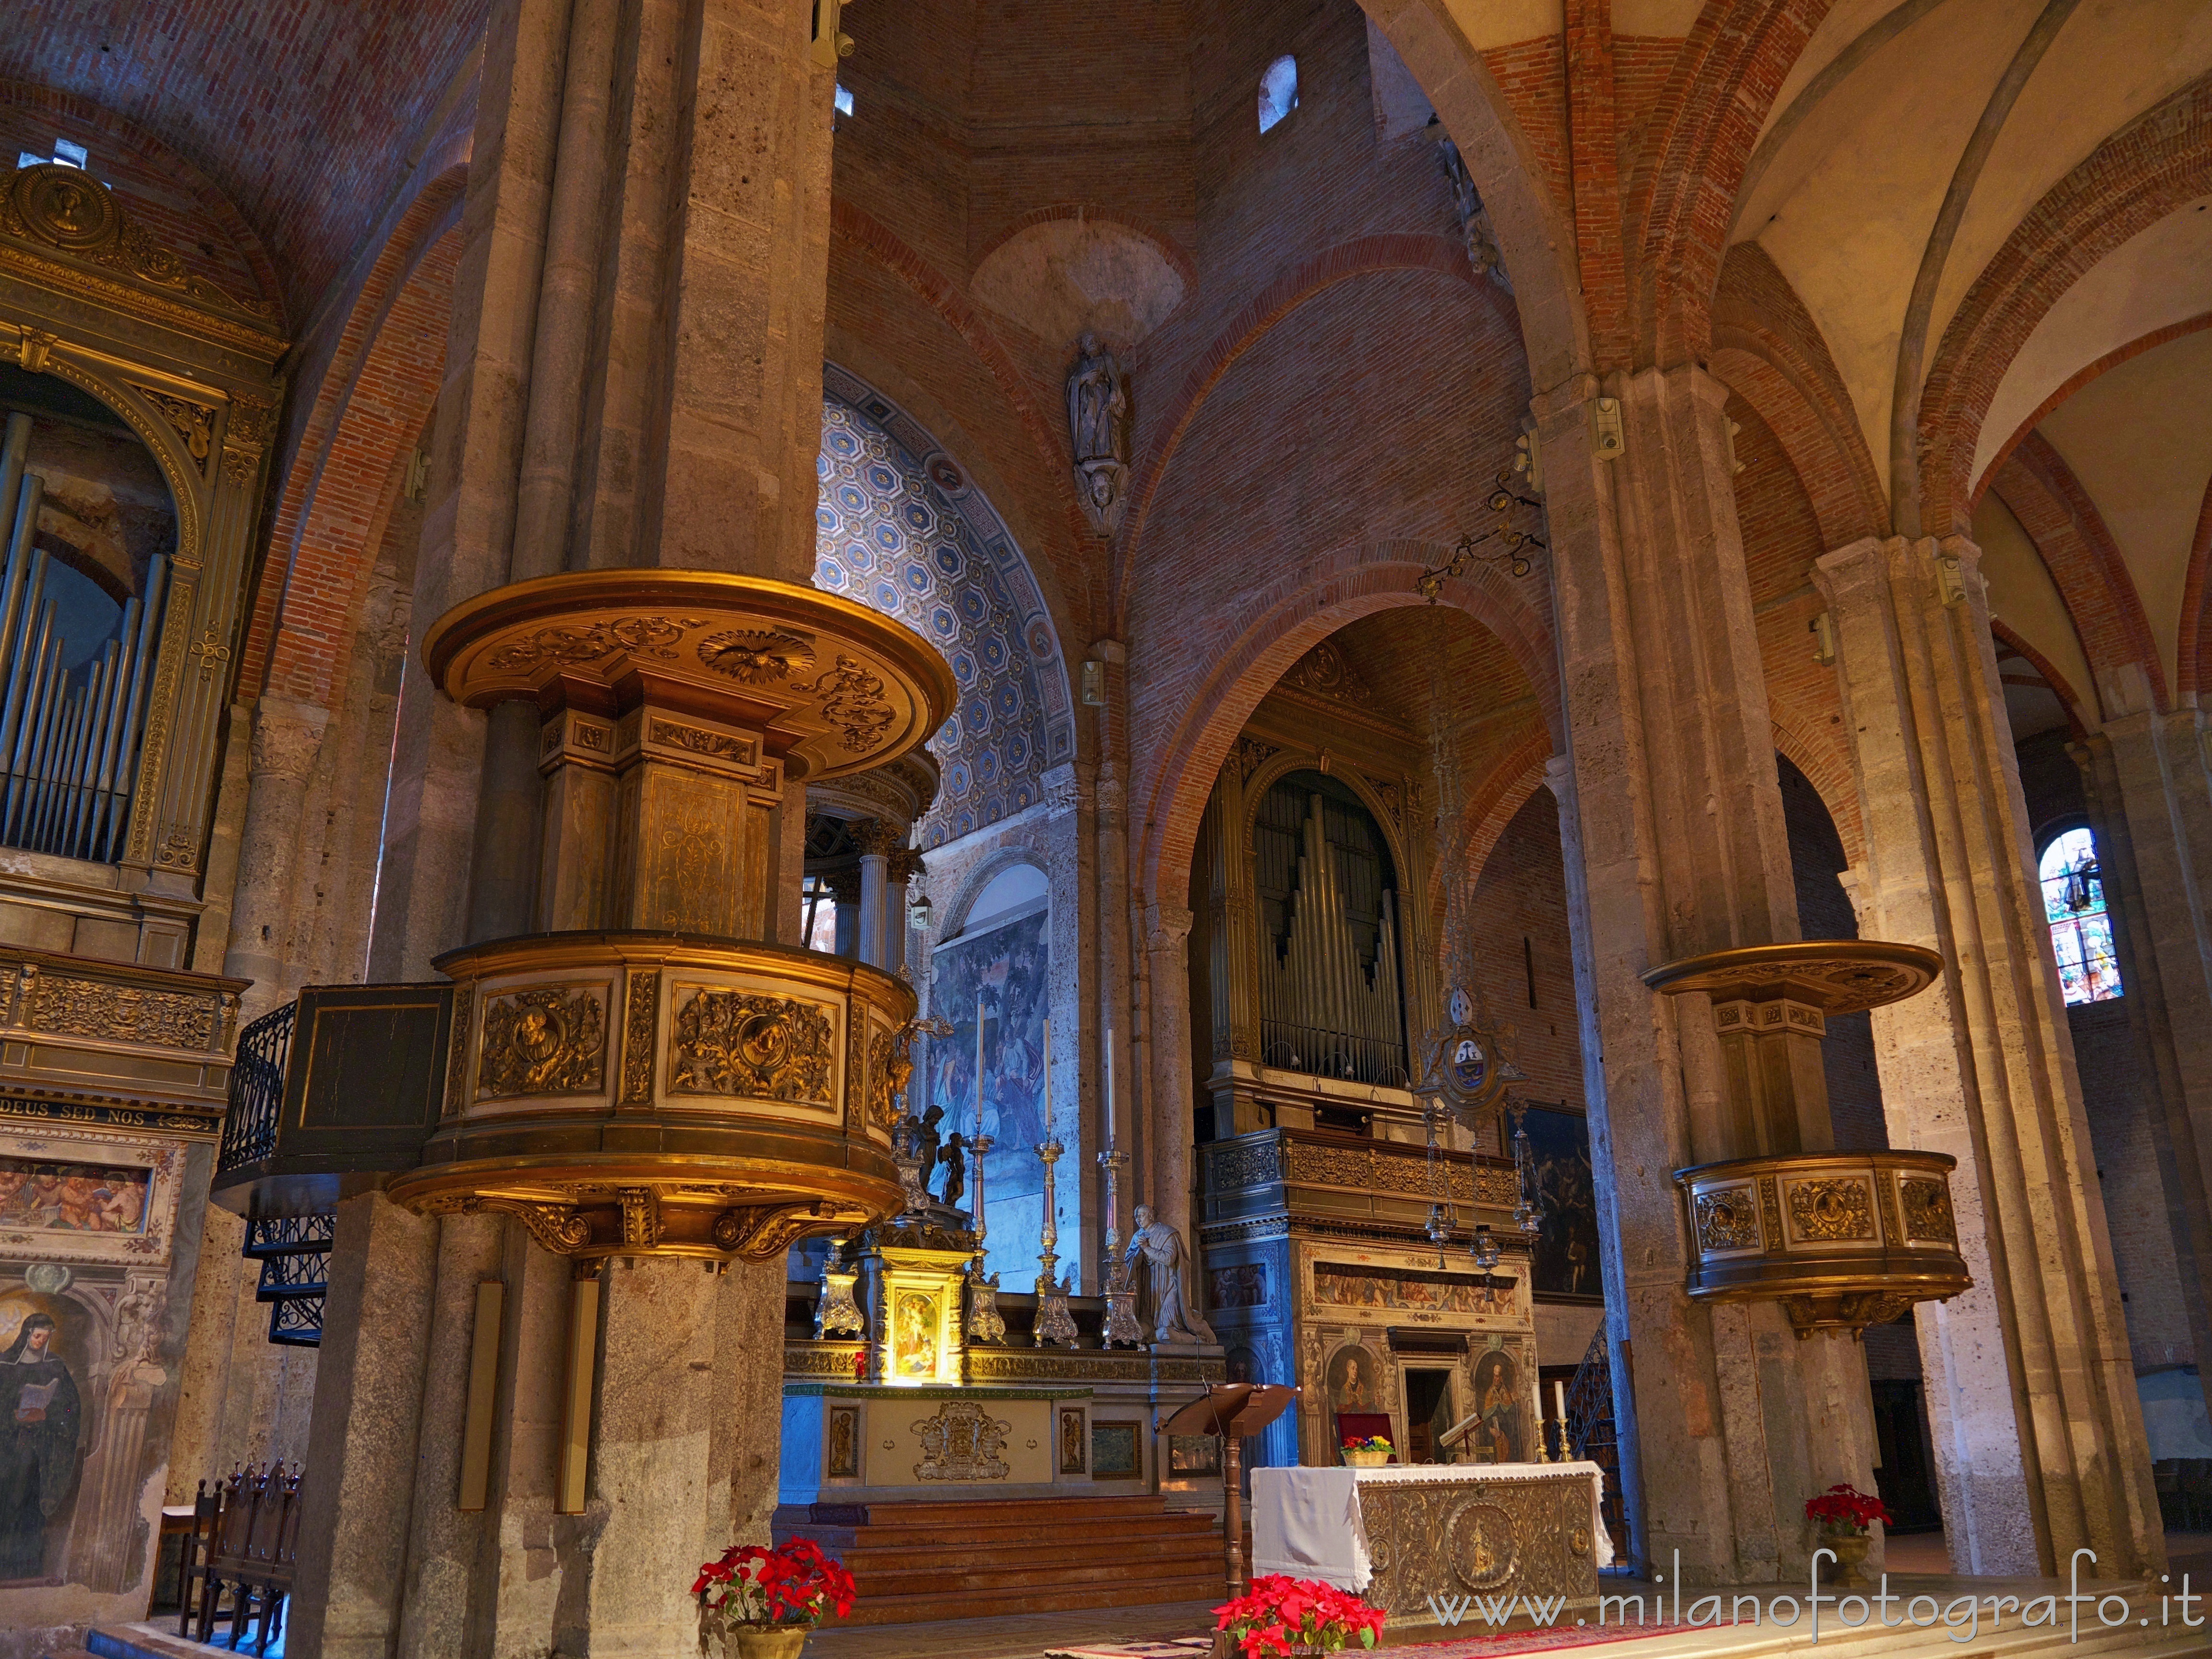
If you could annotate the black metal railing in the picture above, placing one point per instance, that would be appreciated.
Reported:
(1340, 1054)
(257, 1089)
(1593, 1437)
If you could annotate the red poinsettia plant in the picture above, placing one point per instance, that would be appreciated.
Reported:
(795, 1583)
(1846, 1509)
(1284, 1615)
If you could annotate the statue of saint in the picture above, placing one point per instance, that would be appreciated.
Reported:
(1098, 431)
(926, 1144)
(1160, 1246)
(38, 1414)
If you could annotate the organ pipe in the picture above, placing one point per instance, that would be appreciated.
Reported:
(1316, 995)
(68, 739)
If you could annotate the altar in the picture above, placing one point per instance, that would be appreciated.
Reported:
(1401, 1535)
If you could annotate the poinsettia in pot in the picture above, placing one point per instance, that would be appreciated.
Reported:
(1845, 1513)
(1286, 1617)
(763, 1602)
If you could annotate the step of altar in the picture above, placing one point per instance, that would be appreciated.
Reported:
(924, 1560)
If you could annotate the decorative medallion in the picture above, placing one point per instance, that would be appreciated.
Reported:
(68, 209)
(195, 423)
(1252, 755)
(549, 1041)
(1927, 1211)
(1726, 1220)
(757, 656)
(1482, 1544)
(1832, 1209)
(1326, 671)
(962, 1442)
(754, 1047)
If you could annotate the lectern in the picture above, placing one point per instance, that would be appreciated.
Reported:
(1232, 1410)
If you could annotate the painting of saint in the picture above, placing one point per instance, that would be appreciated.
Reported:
(39, 1415)
(1566, 1249)
(1500, 1437)
(914, 1335)
(1353, 1380)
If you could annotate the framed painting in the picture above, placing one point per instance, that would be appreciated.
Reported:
(1565, 1260)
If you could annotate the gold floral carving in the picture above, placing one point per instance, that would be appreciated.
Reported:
(1254, 1165)
(641, 1216)
(246, 438)
(1326, 671)
(754, 1047)
(1832, 1210)
(1927, 1211)
(1476, 1536)
(854, 703)
(765, 1233)
(758, 656)
(1252, 755)
(555, 1226)
(641, 1011)
(1772, 1210)
(890, 1066)
(120, 1013)
(456, 1049)
(718, 745)
(644, 636)
(1726, 1220)
(548, 1040)
(961, 1443)
(195, 423)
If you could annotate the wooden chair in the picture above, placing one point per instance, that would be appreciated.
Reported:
(249, 1553)
(192, 1555)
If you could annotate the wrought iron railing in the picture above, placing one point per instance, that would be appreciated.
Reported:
(1593, 1437)
(257, 1089)
(293, 1251)
(1338, 1055)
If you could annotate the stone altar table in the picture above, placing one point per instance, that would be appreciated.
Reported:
(1402, 1534)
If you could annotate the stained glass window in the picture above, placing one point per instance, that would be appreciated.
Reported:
(2080, 932)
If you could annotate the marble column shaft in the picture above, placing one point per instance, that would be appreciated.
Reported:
(1167, 1048)
(2031, 1394)
(1671, 815)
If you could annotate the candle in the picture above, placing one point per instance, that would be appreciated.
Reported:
(1559, 1401)
(1048, 1077)
(1110, 1088)
(979, 1067)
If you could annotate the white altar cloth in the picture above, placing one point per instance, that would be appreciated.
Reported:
(1306, 1522)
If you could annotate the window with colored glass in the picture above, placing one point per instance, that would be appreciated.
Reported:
(2080, 932)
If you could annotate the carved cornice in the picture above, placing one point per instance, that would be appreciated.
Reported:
(63, 230)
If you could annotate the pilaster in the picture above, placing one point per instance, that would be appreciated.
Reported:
(2032, 1399)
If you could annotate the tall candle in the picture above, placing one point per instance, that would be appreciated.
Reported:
(979, 1066)
(1048, 1077)
(1559, 1402)
(1110, 1088)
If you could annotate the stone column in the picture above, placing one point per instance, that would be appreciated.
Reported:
(905, 868)
(287, 737)
(362, 1443)
(1167, 937)
(844, 887)
(1672, 818)
(2031, 1398)
(2150, 801)
(878, 840)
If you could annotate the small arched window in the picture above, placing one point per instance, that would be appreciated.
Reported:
(2080, 932)
(1278, 91)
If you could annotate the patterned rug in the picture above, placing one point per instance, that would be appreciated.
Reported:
(1472, 1647)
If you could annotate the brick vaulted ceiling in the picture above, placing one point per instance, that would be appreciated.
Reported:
(302, 112)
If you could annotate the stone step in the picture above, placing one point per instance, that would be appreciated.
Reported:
(968, 1574)
(913, 1512)
(896, 1556)
(925, 1607)
(839, 1540)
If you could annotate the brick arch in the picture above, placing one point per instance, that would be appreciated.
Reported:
(1305, 607)
(1534, 231)
(1681, 194)
(1265, 311)
(312, 431)
(2068, 697)
(2135, 178)
(1829, 771)
(384, 407)
(1488, 808)
(2078, 550)
(2192, 657)
(2075, 382)
(1769, 351)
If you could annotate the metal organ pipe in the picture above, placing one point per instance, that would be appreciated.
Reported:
(31, 725)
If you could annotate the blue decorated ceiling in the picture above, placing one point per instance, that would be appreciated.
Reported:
(912, 537)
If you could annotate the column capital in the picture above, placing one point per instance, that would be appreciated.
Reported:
(878, 840)
(1166, 927)
(287, 735)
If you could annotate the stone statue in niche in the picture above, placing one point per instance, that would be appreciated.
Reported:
(1160, 1248)
(1098, 428)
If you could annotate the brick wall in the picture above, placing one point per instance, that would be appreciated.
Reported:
(1516, 923)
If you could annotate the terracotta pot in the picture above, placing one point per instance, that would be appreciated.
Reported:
(764, 1641)
(1850, 1548)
